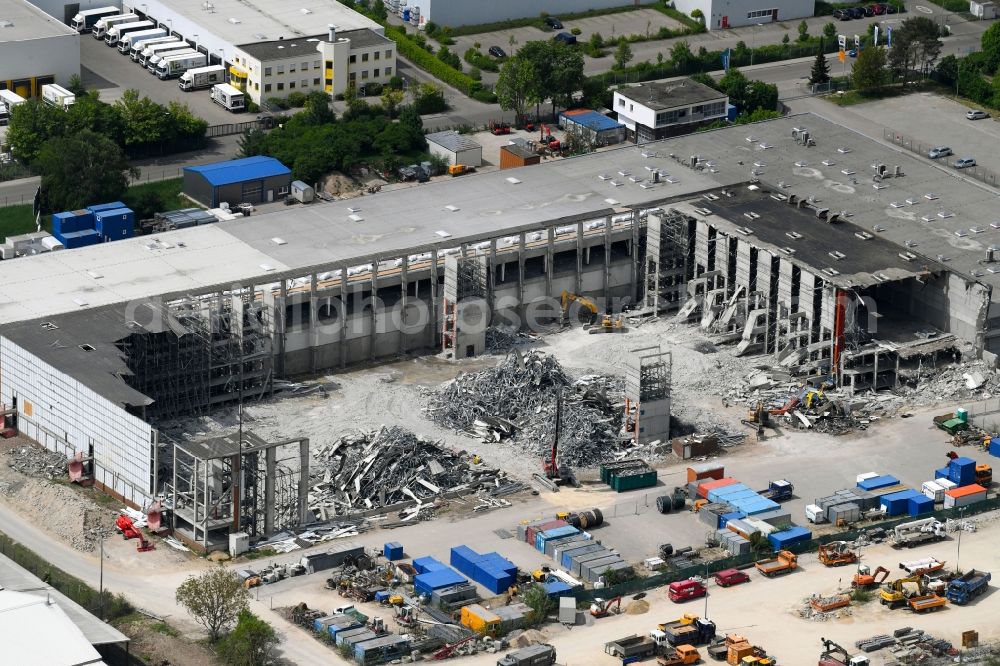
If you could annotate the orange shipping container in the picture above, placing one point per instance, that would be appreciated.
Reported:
(713, 484)
(700, 472)
(514, 156)
(965, 490)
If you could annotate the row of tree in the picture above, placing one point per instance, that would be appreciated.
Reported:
(916, 46)
(540, 71)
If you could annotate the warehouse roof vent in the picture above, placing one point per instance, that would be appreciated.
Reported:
(235, 21)
(306, 11)
(4, 23)
(49, 326)
(87, 347)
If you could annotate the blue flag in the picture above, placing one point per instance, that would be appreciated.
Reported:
(888, 36)
(725, 59)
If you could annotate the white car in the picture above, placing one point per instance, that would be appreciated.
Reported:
(964, 163)
(940, 151)
(976, 114)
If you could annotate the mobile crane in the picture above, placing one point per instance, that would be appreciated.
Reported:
(560, 475)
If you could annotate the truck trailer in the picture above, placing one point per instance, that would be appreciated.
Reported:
(175, 65)
(116, 33)
(8, 100)
(228, 97)
(631, 646)
(137, 48)
(534, 655)
(56, 95)
(202, 77)
(84, 21)
(132, 39)
(100, 29)
(152, 54)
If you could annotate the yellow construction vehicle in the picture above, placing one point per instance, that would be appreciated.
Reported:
(896, 593)
(758, 418)
(598, 323)
(396, 600)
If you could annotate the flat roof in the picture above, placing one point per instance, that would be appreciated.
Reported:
(452, 140)
(16, 579)
(592, 120)
(20, 21)
(246, 21)
(279, 49)
(237, 171)
(671, 93)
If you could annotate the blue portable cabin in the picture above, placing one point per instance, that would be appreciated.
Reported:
(896, 504)
(920, 505)
(427, 583)
(877, 482)
(781, 540)
(393, 550)
(427, 564)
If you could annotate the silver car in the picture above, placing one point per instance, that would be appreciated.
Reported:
(976, 114)
(964, 163)
(940, 151)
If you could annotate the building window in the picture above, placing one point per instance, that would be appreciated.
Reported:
(621, 102)
(631, 107)
(364, 74)
(388, 71)
(329, 64)
(375, 73)
(388, 54)
(353, 59)
(761, 13)
(267, 87)
(291, 68)
(316, 64)
(256, 86)
(304, 83)
(304, 66)
(267, 71)
(281, 86)
(364, 57)
(329, 82)
(291, 85)
(377, 54)
(316, 81)
(352, 76)
(283, 190)
(281, 69)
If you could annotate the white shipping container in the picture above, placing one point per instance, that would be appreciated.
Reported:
(947, 484)
(866, 476)
(934, 490)
(965, 500)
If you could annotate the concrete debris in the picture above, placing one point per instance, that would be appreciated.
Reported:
(304, 388)
(371, 470)
(502, 340)
(175, 544)
(36, 461)
(516, 401)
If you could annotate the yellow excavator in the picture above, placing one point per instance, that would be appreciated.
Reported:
(898, 591)
(599, 323)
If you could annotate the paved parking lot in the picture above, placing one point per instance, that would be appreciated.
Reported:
(108, 71)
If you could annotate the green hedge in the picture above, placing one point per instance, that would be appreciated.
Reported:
(958, 6)
(694, 25)
(412, 51)
(480, 60)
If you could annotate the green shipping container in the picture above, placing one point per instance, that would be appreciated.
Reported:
(625, 483)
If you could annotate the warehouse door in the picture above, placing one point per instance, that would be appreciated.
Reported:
(69, 11)
(252, 192)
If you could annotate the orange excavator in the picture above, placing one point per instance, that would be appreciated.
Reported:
(865, 579)
(130, 531)
(602, 608)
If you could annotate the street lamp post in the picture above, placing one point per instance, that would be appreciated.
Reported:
(961, 528)
(753, 41)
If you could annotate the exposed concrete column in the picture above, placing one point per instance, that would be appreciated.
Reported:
(303, 479)
(277, 333)
(607, 258)
(635, 273)
(578, 284)
(491, 278)
(281, 325)
(435, 315)
(313, 322)
(404, 291)
(344, 314)
(270, 465)
(550, 256)
(372, 334)
(520, 271)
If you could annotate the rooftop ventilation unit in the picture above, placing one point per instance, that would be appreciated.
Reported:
(881, 277)
(995, 225)
(837, 254)
(907, 256)
(703, 211)
(896, 204)
(443, 234)
(912, 202)
(751, 139)
(930, 196)
(513, 181)
(910, 243)
(832, 272)
(863, 235)
(945, 214)
(712, 197)
(452, 208)
(49, 326)
(354, 217)
(613, 202)
(977, 229)
(279, 241)
(822, 212)
(926, 218)
(794, 235)
(843, 151)
(848, 172)
(604, 176)
(623, 173)
(801, 164)
(764, 145)
(616, 183)
(943, 258)
(828, 163)
(777, 196)
(750, 215)
(788, 250)
(746, 231)
(961, 233)
(235, 21)
(878, 228)
(879, 186)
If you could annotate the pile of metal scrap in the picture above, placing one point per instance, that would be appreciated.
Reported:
(516, 401)
(36, 461)
(908, 645)
(502, 340)
(806, 407)
(369, 470)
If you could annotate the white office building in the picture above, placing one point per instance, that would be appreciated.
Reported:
(35, 49)
(722, 14)
(659, 110)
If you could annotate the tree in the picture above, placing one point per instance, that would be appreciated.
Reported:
(31, 124)
(428, 98)
(803, 32)
(947, 69)
(623, 54)
(144, 120)
(317, 108)
(75, 85)
(869, 69)
(214, 599)
(391, 99)
(681, 57)
(146, 204)
(379, 11)
(514, 86)
(821, 68)
(540, 603)
(915, 47)
(990, 43)
(253, 142)
(80, 169)
(251, 643)
(565, 76)
(830, 31)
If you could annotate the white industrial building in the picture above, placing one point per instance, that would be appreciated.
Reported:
(455, 148)
(722, 14)
(462, 12)
(658, 110)
(220, 28)
(65, 11)
(35, 49)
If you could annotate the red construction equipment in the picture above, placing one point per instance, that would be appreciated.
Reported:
(602, 608)
(546, 138)
(553, 472)
(130, 531)
(499, 128)
(449, 650)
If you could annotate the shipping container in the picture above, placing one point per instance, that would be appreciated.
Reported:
(427, 564)
(896, 504)
(557, 588)
(741, 527)
(381, 650)
(578, 541)
(920, 505)
(393, 550)
(426, 583)
(567, 556)
(865, 476)
(933, 490)
(705, 471)
(946, 483)
(576, 565)
(634, 480)
(115, 224)
(864, 499)
(964, 496)
(75, 239)
(705, 486)
(464, 559)
(941, 473)
(343, 636)
(593, 570)
(848, 512)
(479, 619)
(732, 515)
(877, 482)
(888, 490)
(552, 544)
(781, 540)
(962, 471)
(776, 517)
(512, 616)
(542, 536)
(994, 447)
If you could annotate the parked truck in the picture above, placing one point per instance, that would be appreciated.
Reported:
(785, 562)
(8, 100)
(84, 21)
(137, 48)
(970, 585)
(126, 43)
(57, 96)
(173, 66)
(778, 491)
(154, 53)
(631, 646)
(100, 29)
(917, 533)
(687, 630)
(228, 97)
(677, 656)
(116, 33)
(534, 655)
(202, 77)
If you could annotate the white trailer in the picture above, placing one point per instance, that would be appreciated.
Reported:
(84, 21)
(137, 48)
(56, 95)
(102, 26)
(174, 66)
(8, 100)
(159, 50)
(117, 32)
(202, 77)
(154, 61)
(126, 43)
(228, 97)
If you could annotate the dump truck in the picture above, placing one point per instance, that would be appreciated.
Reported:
(778, 491)
(631, 646)
(970, 585)
(534, 655)
(682, 654)
(917, 533)
(687, 630)
(785, 562)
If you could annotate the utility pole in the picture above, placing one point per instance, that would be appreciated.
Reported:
(100, 586)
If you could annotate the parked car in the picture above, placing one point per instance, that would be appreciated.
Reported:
(841, 14)
(553, 22)
(853, 53)
(964, 163)
(939, 151)
(976, 114)
(728, 577)
(497, 52)
(869, 10)
(890, 9)
(857, 12)
(877, 9)
(565, 38)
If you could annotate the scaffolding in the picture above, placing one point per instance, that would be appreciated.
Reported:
(465, 291)
(267, 481)
(647, 394)
(665, 265)
(199, 353)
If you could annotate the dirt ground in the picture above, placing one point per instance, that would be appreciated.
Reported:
(158, 644)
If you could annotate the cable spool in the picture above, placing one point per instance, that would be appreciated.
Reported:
(663, 504)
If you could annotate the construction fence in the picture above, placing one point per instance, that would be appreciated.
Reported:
(922, 148)
(706, 569)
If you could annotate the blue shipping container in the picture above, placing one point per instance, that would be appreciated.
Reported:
(786, 538)
(726, 517)
(63, 223)
(464, 559)
(719, 494)
(75, 239)
(105, 206)
(393, 551)
(427, 564)
(426, 583)
(962, 471)
(493, 579)
(501, 562)
(557, 588)
(554, 533)
(941, 473)
(917, 506)
(896, 504)
(995, 447)
(877, 482)
(115, 224)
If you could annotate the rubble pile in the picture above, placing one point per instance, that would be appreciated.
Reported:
(973, 380)
(368, 470)
(517, 399)
(502, 340)
(36, 461)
